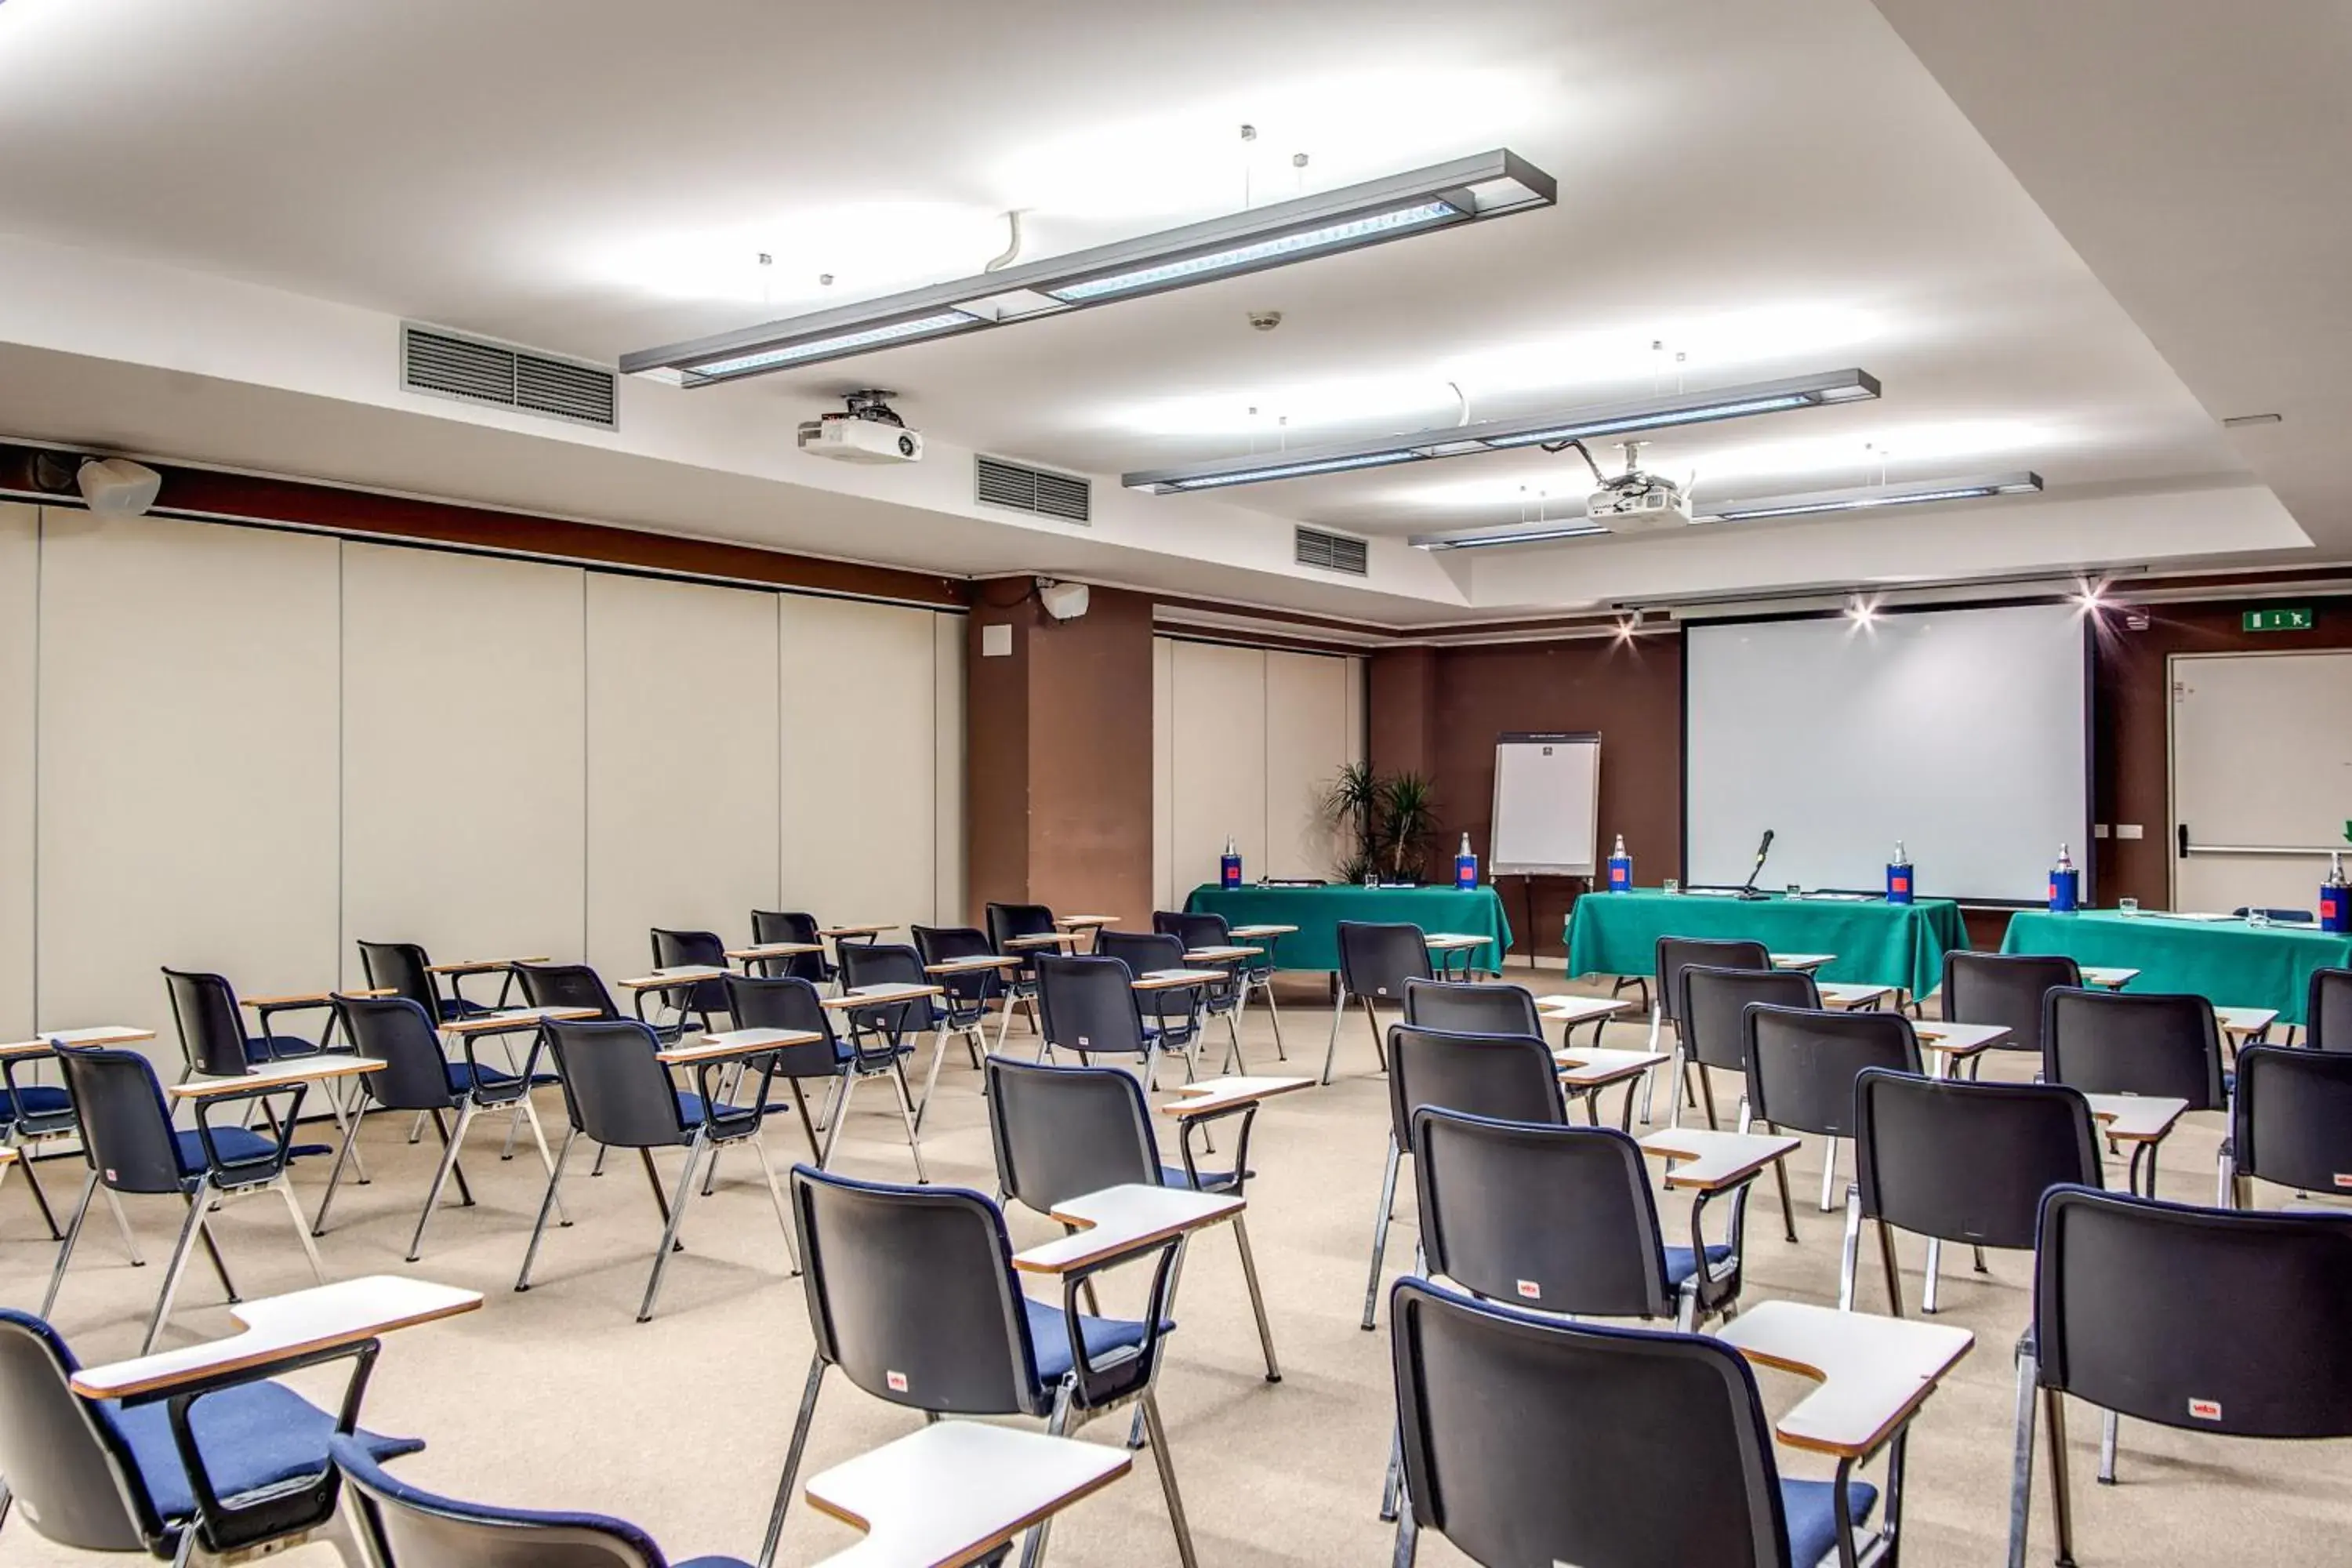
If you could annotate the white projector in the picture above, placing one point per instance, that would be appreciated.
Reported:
(854, 440)
(1638, 503)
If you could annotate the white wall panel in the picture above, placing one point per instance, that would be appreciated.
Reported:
(860, 777)
(19, 634)
(464, 753)
(187, 767)
(1219, 736)
(951, 896)
(1306, 742)
(682, 762)
(1165, 894)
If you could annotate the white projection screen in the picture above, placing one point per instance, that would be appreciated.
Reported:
(1963, 733)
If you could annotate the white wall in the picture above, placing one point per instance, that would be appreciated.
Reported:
(1244, 743)
(239, 748)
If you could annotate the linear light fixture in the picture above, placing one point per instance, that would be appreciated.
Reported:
(1502, 435)
(1533, 533)
(1488, 185)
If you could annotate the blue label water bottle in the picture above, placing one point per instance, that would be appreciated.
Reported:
(1621, 869)
(1898, 876)
(1229, 866)
(1466, 868)
(2335, 897)
(2066, 884)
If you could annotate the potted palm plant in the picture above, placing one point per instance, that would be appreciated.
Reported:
(1408, 816)
(1351, 807)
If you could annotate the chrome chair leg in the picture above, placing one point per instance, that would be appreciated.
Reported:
(847, 1087)
(1894, 1274)
(931, 1079)
(440, 1175)
(1935, 1262)
(334, 1180)
(284, 1187)
(1168, 1480)
(546, 1160)
(1850, 1253)
(1380, 1231)
(1274, 1016)
(1649, 1074)
(122, 1224)
(1257, 1299)
(65, 1247)
(1033, 1551)
(2021, 1472)
(2061, 1497)
(912, 1116)
(678, 1200)
(181, 1251)
(2110, 1426)
(1392, 1488)
(546, 1203)
(793, 1453)
(1331, 1050)
(1829, 1174)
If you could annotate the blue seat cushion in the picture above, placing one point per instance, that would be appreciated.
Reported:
(235, 1145)
(466, 1075)
(34, 1099)
(1681, 1264)
(1050, 1338)
(460, 1007)
(711, 1563)
(1810, 1508)
(251, 1436)
(1210, 1181)
(275, 1047)
(691, 1110)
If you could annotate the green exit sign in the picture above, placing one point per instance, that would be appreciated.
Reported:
(2277, 620)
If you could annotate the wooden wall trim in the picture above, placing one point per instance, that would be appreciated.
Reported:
(214, 495)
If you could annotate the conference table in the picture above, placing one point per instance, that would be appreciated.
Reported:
(1876, 942)
(2228, 962)
(1317, 911)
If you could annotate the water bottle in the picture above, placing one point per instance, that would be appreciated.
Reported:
(2066, 884)
(2335, 897)
(1466, 868)
(1898, 876)
(1621, 869)
(1229, 865)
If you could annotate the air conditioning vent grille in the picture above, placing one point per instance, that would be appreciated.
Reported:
(996, 482)
(1330, 551)
(449, 366)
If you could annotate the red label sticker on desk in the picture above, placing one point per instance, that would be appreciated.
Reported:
(1531, 1291)
(896, 1379)
(2205, 1409)
(2343, 1178)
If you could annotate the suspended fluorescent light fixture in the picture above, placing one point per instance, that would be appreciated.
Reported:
(1502, 435)
(1533, 533)
(1488, 185)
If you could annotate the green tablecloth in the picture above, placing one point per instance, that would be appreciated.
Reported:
(1318, 911)
(2228, 963)
(1876, 943)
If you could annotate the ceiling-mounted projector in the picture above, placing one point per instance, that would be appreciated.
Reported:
(868, 431)
(1062, 601)
(1636, 501)
(110, 487)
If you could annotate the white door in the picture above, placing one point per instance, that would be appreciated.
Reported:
(2261, 776)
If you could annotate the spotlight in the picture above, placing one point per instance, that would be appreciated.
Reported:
(2090, 597)
(1860, 610)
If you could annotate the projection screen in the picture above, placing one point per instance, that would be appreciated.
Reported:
(1962, 733)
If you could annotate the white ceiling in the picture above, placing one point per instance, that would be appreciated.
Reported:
(1766, 188)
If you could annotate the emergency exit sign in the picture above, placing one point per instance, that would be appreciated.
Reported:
(2277, 620)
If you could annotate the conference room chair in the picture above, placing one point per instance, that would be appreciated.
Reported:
(30, 1112)
(2237, 1351)
(965, 1008)
(1088, 1006)
(1375, 961)
(132, 1149)
(98, 1475)
(618, 1094)
(1176, 1014)
(887, 1025)
(1958, 1161)
(211, 1025)
(2290, 1123)
(1674, 954)
(790, 1002)
(2004, 989)
(1220, 999)
(705, 1000)
(1712, 1004)
(2110, 1042)
(792, 925)
(2327, 1010)
(1062, 1132)
(397, 1032)
(1460, 1007)
(1252, 976)
(1531, 1440)
(405, 1526)
(1510, 1078)
(405, 969)
(912, 1295)
(577, 985)
(1801, 1063)
(1003, 923)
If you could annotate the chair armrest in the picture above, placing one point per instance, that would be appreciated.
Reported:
(243, 1171)
(1248, 1112)
(1097, 1382)
(1715, 1290)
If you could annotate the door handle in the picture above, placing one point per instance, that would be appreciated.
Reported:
(2183, 831)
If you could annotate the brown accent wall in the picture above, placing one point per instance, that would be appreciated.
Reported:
(1438, 711)
(1059, 788)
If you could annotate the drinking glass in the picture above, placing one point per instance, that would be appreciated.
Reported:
(2128, 907)
(1671, 885)
(1796, 890)
(2258, 917)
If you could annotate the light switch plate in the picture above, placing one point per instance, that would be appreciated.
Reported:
(2099, 830)
(996, 641)
(2127, 830)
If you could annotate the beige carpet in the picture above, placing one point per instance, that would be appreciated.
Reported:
(559, 1399)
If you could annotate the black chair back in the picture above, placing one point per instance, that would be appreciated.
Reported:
(1508, 1078)
(967, 995)
(2291, 1121)
(1532, 1441)
(1801, 1063)
(1194, 931)
(2205, 1320)
(400, 967)
(408, 1527)
(1713, 1006)
(617, 1093)
(677, 950)
(1375, 961)
(565, 985)
(1462, 1009)
(1005, 922)
(2107, 1042)
(126, 1127)
(911, 1292)
(792, 925)
(786, 1002)
(2006, 989)
(1968, 1160)
(65, 1458)
(1088, 1005)
(2327, 1010)
(886, 963)
(1061, 1133)
(1676, 953)
(212, 1033)
(1559, 1219)
(1143, 951)
(397, 1031)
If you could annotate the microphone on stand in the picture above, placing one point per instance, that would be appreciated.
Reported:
(1747, 888)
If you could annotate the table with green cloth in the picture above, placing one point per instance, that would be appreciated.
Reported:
(1876, 942)
(1317, 911)
(2228, 962)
